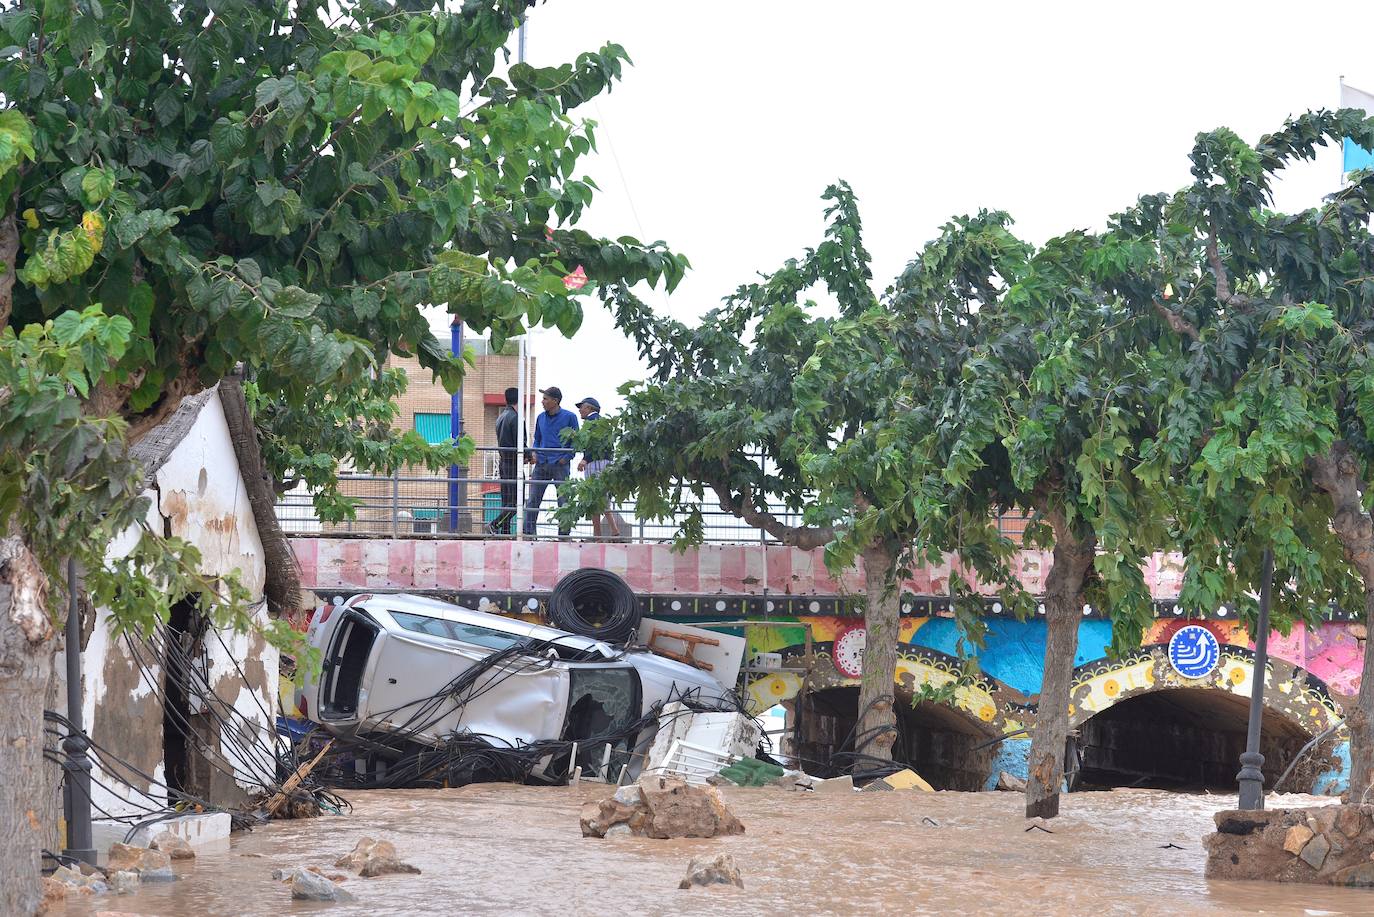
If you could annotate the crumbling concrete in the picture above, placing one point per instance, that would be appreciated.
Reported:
(1331, 845)
(660, 807)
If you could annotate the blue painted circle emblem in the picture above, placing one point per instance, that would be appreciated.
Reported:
(1194, 652)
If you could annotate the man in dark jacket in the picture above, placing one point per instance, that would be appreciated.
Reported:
(508, 442)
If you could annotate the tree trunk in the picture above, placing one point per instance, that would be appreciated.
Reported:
(877, 729)
(1338, 474)
(27, 641)
(1359, 720)
(282, 588)
(1073, 556)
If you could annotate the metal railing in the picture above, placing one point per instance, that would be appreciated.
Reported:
(463, 505)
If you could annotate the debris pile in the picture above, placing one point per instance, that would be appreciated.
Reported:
(660, 807)
(1330, 845)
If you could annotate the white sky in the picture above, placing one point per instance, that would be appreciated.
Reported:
(737, 114)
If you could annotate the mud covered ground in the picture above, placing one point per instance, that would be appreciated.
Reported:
(507, 849)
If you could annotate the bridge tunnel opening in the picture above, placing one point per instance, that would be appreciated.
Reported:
(937, 741)
(1181, 738)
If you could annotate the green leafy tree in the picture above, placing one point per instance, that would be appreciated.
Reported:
(1269, 406)
(1048, 416)
(795, 421)
(191, 189)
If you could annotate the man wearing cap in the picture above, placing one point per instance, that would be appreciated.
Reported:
(594, 460)
(551, 455)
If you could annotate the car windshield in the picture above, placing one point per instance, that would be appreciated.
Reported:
(455, 630)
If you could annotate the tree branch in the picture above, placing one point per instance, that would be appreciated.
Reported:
(1177, 322)
(806, 537)
(315, 153)
(1338, 474)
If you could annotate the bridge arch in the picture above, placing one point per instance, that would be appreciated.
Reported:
(1139, 722)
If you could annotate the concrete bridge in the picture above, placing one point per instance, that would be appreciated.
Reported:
(1144, 719)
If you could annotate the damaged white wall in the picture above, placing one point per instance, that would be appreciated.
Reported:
(199, 496)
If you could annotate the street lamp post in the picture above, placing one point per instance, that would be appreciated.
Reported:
(1251, 777)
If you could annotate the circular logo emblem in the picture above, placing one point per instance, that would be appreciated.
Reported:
(1194, 652)
(849, 651)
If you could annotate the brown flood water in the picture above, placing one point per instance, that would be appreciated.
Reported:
(507, 849)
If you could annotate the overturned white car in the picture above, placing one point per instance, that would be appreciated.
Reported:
(430, 693)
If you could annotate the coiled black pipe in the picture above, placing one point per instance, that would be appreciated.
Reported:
(593, 602)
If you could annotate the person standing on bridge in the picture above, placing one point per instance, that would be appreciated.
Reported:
(551, 456)
(508, 442)
(595, 458)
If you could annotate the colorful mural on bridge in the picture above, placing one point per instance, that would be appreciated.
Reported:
(1311, 672)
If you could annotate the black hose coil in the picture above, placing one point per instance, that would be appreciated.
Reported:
(593, 602)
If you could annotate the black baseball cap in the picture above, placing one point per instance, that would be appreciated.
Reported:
(589, 400)
(553, 392)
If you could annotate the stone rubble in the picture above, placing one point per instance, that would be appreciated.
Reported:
(151, 865)
(1331, 845)
(718, 870)
(660, 807)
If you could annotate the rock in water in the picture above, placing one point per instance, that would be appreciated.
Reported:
(124, 883)
(174, 846)
(124, 857)
(717, 870)
(358, 856)
(374, 858)
(661, 807)
(310, 886)
(54, 893)
(385, 866)
(1010, 783)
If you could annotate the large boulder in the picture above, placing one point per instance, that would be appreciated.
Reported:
(661, 807)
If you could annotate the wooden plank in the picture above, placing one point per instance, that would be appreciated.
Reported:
(279, 800)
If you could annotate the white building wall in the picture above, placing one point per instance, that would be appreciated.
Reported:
(199, 497)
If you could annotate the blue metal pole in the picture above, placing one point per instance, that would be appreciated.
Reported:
(455, 427)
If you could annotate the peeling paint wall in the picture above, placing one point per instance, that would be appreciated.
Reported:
(199, 496)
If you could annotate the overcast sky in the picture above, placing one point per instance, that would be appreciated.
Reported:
(736, 115)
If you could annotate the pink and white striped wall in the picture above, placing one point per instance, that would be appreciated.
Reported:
(514, 566)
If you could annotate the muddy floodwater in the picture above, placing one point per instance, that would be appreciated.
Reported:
(505, 849)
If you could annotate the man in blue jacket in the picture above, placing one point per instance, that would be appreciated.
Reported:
(551, 455)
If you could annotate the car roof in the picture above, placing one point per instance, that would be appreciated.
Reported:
(424, 605)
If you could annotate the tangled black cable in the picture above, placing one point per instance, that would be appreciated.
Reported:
(593, 602)
(413, 757)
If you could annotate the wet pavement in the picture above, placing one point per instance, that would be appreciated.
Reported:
(499, 848)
